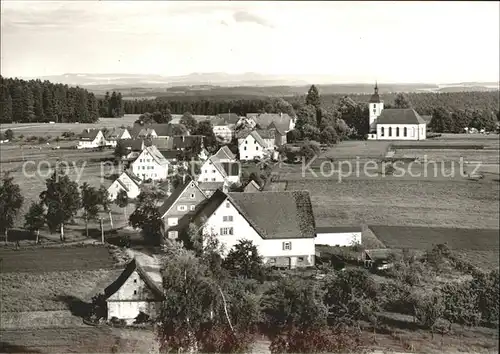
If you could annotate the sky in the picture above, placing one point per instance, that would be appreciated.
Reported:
(434, 42)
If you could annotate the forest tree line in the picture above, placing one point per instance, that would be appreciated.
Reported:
(42, 101)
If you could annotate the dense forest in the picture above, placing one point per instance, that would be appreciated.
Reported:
(36, 101)
(423, 103)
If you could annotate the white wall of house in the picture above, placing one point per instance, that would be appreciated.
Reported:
(249, 148)
(125, 135)
(98, 141)
(338, 239)
(227, 216)
(209, 173)
(133, 188)
(145, 167)
(397, 131)
(224, 131)
(132, 298)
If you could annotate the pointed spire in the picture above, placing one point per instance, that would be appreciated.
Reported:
(376, 87)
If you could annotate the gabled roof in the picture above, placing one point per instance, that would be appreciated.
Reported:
(400, 116)
(279, 119)
(266, 134)
(273, 215)
(160, 143)
(231, 118)
(129, 269)
(89, 134)
(156, 154)
(252, 187)
(172, 199)
(133, 177)
(244, 134)
(278, 127)
(114, 133)
(184, 141)
(170, 154)
(224, 153)
(132, 144)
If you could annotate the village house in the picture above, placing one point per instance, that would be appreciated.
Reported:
(281, 121)
(179, 206)
(112, 136)
(91, 139)
(150, 164)
(220, 167)
(230, 118)
(133, 148)
(223, 131)
(251, 145)
(153, 131)
(280, 224)
(394, 123)
(138, 290)
(338, 235)
(127, 182)
(187, 142)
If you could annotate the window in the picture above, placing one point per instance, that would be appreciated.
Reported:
(213, 179)
(287, 246)
(192, 207)
(256, 148)
(405, 131)
(213, 171)
(135, 292)
(397, 131)
(228, 204)
(382, 131)
(374, 111)
(172, 221)
(390, 131)
(272, 260)
(301, 259)
(206, 171)
(244, 148)
(226, 231)
(172, 235)
(181, 208)
(192, 195)
(227, 218)
(135, 280)
(205, 179)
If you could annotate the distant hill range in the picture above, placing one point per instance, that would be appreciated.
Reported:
(246, 84)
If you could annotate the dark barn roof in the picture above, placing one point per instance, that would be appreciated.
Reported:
(400, 116)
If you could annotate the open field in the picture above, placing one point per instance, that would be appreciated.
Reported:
(464, 204)
(46, 259)
(76, 340)
(44, 129)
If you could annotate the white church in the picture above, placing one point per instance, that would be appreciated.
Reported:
(394, 123)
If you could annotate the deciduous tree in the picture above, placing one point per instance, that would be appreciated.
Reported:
(11, 201)
(35, 219)
(244, 260)
(147, 217)
(122, 201)
(90, 203)
(188, 121)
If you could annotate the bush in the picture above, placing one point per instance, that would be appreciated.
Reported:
(68, 134)
(429, 308)
(322, 340)
(41, 140)
(31, 138)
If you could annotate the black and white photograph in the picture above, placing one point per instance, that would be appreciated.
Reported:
(249, 176)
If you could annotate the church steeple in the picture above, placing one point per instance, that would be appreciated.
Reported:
(375, 97)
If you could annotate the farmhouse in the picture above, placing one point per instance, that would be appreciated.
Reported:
(150, 164)
(338, 235)
(114, 135)
(394, 124)
(220, 167)
(91, 139)
(230, 118)
(127, 182)
(283, 122)
(137, 290)
(161, 131)
(280, 224)
(224, 131)
(181, 203)
(251, 145)
(133, 147)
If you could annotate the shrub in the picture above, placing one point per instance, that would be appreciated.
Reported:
(428, 308)
(41, 140)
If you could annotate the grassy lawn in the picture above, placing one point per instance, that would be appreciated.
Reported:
(427, 237)
(76, 340)
(463, 204)
(40, 260)
(44, 129)
(56, 290)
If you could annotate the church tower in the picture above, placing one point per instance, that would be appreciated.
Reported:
(376, 106)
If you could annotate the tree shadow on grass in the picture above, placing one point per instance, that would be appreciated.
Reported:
(77, 307)
(18, 235)
(12, 348)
